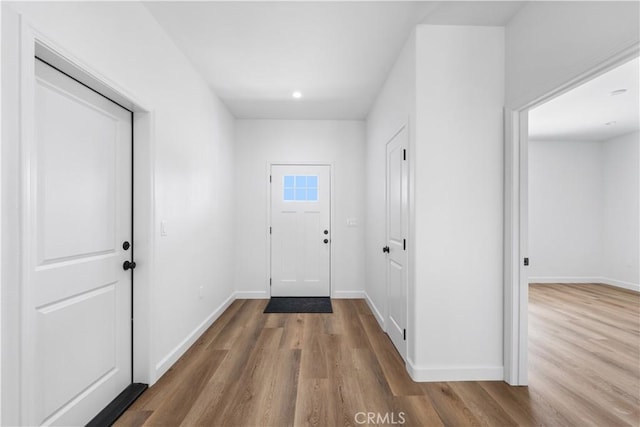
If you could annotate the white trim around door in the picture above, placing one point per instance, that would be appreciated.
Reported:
(32, 43)
(516, 283)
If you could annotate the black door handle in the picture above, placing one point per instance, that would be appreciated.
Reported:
(385, 249)
(326, 240)
(128, 265)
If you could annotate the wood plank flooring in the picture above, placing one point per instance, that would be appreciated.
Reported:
(584, 352)
(255, 369)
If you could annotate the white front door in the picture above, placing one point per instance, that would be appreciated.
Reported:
(397, 227)
(77, 321)
(300, 230)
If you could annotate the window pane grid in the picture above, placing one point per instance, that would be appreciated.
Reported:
(300, 188)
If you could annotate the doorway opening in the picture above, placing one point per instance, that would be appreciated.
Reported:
(584, 239)
(517, 238)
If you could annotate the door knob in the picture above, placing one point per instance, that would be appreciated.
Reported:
(126, 246)
(326, 240)
(385, 249)
(326, 231)
(129, 265)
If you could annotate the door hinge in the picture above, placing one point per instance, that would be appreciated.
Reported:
(270, 177)
(404, 154)
(270, 230)
(526, 261)
(404, 244)
(269, 281)
(404, 334)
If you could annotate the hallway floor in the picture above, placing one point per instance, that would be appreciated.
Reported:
(255, 369)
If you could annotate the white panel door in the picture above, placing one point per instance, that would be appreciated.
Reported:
(78, 302)
(397, 226)
(300, 231)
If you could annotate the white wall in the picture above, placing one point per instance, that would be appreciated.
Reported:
(621, 222)
(393, 108)
(458, 203)
(583, 211)
(10, 354)
(550, 43)
(449, 83)
(193, 137)
(565, 211)
(261, 141)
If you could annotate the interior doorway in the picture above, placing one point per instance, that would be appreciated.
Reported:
(583, 182)
(584, 240)
(517, 220)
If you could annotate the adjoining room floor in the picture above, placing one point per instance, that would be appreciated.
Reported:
(255, 369)
(584, 352)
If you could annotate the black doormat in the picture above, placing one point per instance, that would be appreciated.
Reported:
(299, 305)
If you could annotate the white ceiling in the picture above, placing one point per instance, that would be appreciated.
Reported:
(338, 54)
(582, 113)
(479, 12)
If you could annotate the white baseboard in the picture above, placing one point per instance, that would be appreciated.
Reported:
(375, 311)
(564, 279)
(348, 295)
(620, 284)
(587, 279)
(175, 354)
(460, 373)
(251, 295)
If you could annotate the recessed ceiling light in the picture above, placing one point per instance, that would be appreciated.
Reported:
(611, 123)
(618, 92)
(296, 94)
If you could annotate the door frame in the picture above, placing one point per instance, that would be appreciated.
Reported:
(268, 209)
(32, 43)
(516, 221)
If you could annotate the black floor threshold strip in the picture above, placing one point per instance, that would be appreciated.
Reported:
(112, 412)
